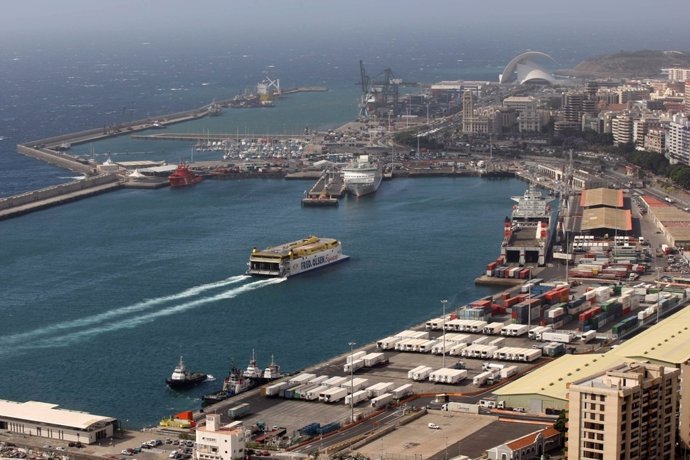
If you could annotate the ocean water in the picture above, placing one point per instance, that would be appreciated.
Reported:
(101, 296)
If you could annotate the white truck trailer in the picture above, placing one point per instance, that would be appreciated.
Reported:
(353, 366)
(357, 384)
(515, 330)
(333, 395)
(302, 378)
(372, 359)
(382, 400)
(508, 371)
(560, 337)
(388, 343)
(419, 373)
(402, 391)
(456, 350)
(493, 328)
(355, 356)
(356, 397)
(379, 389)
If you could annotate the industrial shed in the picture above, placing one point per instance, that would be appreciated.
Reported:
(599, 197)
(33, 418)
(606, 221)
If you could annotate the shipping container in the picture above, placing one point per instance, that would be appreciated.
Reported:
(382, 400)
(356, 397)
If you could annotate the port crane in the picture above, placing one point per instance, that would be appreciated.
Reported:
(382, 93)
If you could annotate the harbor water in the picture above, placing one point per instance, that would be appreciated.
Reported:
(102, 296)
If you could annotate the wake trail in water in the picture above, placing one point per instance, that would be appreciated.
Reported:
(129, 323)
(134, 308)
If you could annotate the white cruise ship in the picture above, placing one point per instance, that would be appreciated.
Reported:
(290, 259)
(362, 177)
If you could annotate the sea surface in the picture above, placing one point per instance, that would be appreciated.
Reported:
(100, 297)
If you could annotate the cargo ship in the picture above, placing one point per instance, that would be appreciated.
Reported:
(527, 233)
(182, 379)
(297, 257)
(184, 177)
(362, 177)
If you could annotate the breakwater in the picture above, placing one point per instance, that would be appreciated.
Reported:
(57, 194)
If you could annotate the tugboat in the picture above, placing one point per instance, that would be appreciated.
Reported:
(253, 371)
(272, 372)
(182, 379)
(183, 176)
(234, 384)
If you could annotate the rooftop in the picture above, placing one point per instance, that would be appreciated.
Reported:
(609, 218)
(602, 197)
(48, 413)
(531, 438)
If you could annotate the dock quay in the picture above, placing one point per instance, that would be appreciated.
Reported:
(328, 188)
(25, 203)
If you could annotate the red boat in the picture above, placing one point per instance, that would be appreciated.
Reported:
(183, 177)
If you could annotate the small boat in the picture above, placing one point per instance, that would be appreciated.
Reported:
(234, 384)
(182, 379)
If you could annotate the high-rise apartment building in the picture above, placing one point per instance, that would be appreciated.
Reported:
(627, 413)
(678, 140)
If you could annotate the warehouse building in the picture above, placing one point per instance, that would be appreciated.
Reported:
(46, 420)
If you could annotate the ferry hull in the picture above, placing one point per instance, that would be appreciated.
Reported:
(266, 264)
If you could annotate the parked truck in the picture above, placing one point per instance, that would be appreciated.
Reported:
(460, 407)
(493, 328)
(356, 384)
(273, 390)
(588, 336)
(382, 400)
(481, 379)
(313, 394)
(379, 389)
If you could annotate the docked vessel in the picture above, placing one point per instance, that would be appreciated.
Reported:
(527, 233)
(253, 371)
(297, 257)
(182, 379)
(184, 177)
(362, 177)
(272, 371)
(234, 384)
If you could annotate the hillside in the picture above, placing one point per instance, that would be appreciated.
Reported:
(642, 64)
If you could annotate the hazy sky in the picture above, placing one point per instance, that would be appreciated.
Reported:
(25, 18)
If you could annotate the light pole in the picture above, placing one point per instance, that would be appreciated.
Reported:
(443, 303)
(352, 384)
(529, 302)
(658, 292)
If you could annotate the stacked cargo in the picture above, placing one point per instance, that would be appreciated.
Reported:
(624, 326)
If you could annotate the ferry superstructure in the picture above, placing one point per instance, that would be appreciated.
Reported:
(527, 233)
(362, 177)
(297, 257)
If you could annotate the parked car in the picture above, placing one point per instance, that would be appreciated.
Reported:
(433, 426)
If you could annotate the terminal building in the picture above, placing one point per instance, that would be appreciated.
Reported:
(215, 441)
(46, 420)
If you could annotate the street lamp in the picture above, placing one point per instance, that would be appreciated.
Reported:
(658, 292)
(443, 303)
(352, 384)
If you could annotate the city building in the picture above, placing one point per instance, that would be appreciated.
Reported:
(622, 129)
(627, 412)
(46, 420)
(220, 442)
(678, 140)
(529, 446)
(678, 74)
(655, 141)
